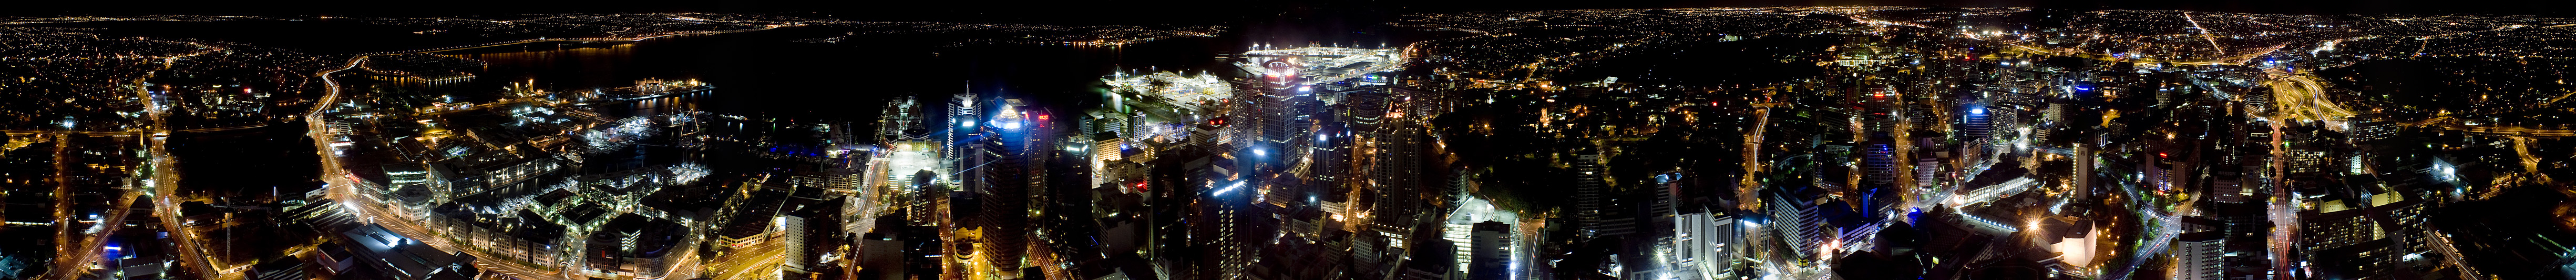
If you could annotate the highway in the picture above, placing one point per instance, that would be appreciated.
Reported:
(2300, 96)
(2455, 124)
(2530, 162)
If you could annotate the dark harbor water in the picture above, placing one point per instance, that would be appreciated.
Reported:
(313, 35)
(769, 75)
(783, 89)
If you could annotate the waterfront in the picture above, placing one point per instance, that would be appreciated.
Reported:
(767, 74)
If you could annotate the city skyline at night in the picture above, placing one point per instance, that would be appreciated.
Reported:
(1267, 141)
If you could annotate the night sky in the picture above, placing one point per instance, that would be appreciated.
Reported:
(1147, 12)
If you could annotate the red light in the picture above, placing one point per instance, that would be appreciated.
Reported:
(1042, 117)
(2161, 155)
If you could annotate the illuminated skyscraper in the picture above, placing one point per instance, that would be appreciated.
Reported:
(1978, 124)
(1009, 174)
(961, 127)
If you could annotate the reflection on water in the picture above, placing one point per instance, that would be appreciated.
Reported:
(767, 74)
(567, 66)
(780, 94)
(657, 106)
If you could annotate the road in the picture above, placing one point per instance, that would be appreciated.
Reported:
(2204, 33)
(2455, 124)
(2300, 96)
(91, 244)
(2530, 162)
(162, 171)
(1747, 196)
(164, 186)
(132, 132)
(2450, 255)
(2283, 211)
(63, 217)
(758, 261)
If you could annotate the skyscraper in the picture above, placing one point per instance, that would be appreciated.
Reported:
(1007, 177)
(1398, 172)
(1490, 255)
(1594, 211)
(962, 126)
(1796, 220)
(1706, 245)
(2198, 256)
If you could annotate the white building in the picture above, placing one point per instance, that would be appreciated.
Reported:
(1705, 246)
(2197, 256)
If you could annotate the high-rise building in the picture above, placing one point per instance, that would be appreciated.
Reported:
(2199, 256)
(963, 124)
(1881, 114)
(1706, 245)
(793, 239)
(1009, 176)
(1398, 172)
(1878, 164)
(1275, 112)
(1796, 220)
(1490, 254)
(1977, 126)
(1226, 223)
(1594, 211)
